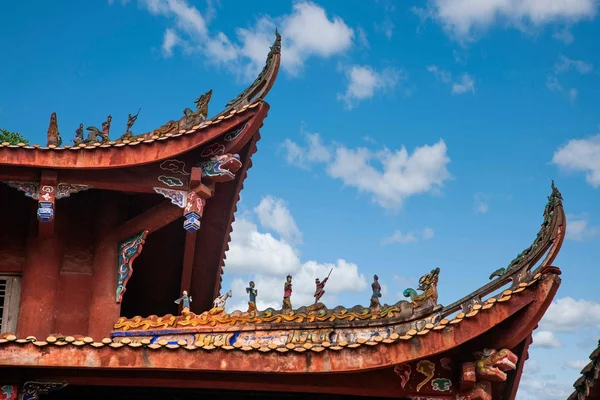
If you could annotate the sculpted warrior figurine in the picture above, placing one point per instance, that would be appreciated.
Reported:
(320, 286)
(252, 293)
(186, 302)
(287, 293)
(376, 287)
(131, 120)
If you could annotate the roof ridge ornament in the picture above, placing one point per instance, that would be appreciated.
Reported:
(265, 80)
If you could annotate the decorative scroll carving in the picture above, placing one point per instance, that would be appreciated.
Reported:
(233, 134)
(403, 371)
(175, 166)
(177, 197)
(33, 389)
(67, 189)
(8, 392)
(426, 368)
(428, 285)
(128, 252)
(221, 168)
(30, 189)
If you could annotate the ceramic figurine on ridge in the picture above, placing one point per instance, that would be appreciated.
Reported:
(186, 302)
(320, 287)
(220, 301)
(376, 287)
(252, 293)
(287, 293)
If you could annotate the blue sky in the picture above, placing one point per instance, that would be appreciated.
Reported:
(402, 136)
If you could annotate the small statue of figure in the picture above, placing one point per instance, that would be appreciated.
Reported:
(131, 120)
(106, 125)
(376, 287)
(219, 302)
(252, 293)
(186, 302)
(287, 293)
(78, 135)
(53, 133)
(320, 287)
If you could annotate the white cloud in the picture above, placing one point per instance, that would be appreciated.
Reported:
(531, 367)
(545, 339)
(576, 364)
(545, 387)
(581, 155)
(364, 82)
(481, 203)
(580, 228)
(386, 27)
(568, 315)
(170, 40)
(564, 65)
(465, 84)
(274, 214)
(564, 35)
(307, 31)
(399, 175)
(313, 152)
(410, 237)
(265, 259)
(464, 19)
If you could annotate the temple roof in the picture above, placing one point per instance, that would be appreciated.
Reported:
(587, 387)
(192, 130)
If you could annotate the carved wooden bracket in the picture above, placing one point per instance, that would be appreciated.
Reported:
(33, 389)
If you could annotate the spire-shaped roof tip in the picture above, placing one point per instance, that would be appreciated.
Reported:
(276, 48)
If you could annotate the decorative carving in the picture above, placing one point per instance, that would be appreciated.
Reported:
(78, 135)
(233, 134)
(212, 149)
(376, 288)
(45, 211)
(403, 371)
(96, 133)
(175, 166)
(186, 300)
(196, 117)
(426, 368)
(53, 135)
(67, 189)
(428, 285)
(128, 252)
(8, 392)
(287, 294)
(446, 363)
(252, 293)
(221, 168)
(30, 189)
(177, 197)
(320, 287)
(194, 208)
(441, 384)
(481, 391)
(170, 180)
(32, 390)
(220, 301)
(491, 364)
(262, 84)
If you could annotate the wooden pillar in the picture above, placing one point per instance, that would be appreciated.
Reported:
(39, 287)
(104, 310)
